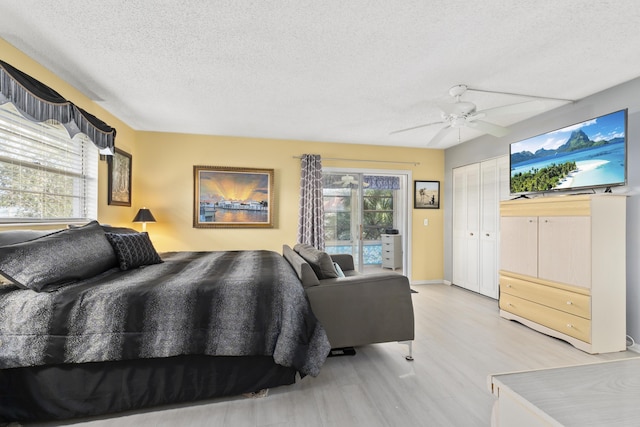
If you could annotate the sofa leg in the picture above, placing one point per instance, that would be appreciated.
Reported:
(409, 357)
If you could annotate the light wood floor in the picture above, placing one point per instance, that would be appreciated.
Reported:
(460, 340)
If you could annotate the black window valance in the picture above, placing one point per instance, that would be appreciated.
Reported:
(38, 102)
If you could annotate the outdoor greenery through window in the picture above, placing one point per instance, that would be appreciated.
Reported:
(377, 213)
(45, 176)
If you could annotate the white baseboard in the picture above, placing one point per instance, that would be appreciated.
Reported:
(428, 282)
(635, 347)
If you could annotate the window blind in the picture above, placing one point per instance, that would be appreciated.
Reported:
(45, 176)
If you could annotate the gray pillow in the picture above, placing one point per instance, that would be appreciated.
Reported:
(318, 260)
(133, 250)
(11, 237)
(59, 258)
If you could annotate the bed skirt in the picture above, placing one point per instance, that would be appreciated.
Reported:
(82, 390)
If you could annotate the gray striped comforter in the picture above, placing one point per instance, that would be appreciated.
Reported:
(231, 303)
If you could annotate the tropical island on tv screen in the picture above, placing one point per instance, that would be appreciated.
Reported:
(585, 155)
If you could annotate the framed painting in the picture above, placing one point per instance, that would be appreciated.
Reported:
(119, 177)
(228, 197)
(426, 195)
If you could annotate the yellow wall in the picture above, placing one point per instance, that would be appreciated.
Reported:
(163, 180)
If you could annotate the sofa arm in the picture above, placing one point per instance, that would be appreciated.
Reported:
(345, 261)
(364, 309)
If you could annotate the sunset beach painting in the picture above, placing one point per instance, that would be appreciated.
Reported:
(232, 197)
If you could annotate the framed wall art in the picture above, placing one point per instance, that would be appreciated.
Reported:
(119, 177)
(229, 197)
(426, 195)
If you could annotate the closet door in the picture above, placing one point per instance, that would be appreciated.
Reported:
(466, 226)
(489, 201)
(477, 191)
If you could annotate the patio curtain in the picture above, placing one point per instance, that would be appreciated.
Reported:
(38, 102)
(311, 213)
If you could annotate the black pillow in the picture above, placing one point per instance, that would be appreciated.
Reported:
(133, 250)
(58, 258)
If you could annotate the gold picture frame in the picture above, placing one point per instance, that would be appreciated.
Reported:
(231, 197)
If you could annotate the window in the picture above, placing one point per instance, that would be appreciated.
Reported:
(45, 176)
(377, 213)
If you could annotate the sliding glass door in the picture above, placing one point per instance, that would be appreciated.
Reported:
(358, 208)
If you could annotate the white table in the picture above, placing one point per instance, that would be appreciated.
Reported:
(599, 394)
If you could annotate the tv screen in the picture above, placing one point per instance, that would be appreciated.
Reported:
(585, 155)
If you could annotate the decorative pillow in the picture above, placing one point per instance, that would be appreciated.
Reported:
(320, 261)
(58, 258)
(117, 230)
(339, 271)
(133, 250)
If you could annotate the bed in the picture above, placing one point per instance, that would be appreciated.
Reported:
(91, 328)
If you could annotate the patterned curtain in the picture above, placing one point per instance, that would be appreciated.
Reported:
(311, 217)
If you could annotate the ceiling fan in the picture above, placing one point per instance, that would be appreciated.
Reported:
(349, 180)
(460, 114)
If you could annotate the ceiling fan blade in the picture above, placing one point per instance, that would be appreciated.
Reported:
(470, 89)
(438, 137)
(520, 107)
(416, 127)
(489, 128)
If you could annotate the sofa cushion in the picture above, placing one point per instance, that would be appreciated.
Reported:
(320, 261)
(302, 268)
(58, 258)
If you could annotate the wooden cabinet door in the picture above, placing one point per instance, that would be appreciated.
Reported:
(519, 244)
(564, 250)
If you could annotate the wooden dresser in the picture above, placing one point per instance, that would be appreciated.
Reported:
(562, 268)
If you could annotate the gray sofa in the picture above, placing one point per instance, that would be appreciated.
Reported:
(356, 309)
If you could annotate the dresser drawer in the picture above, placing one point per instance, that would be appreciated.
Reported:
(568, 324)
(559, 299)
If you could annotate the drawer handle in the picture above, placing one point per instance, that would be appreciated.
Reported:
(569, 325)
(569, 303)
(470, 234)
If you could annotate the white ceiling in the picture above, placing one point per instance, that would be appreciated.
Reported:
(324, 70)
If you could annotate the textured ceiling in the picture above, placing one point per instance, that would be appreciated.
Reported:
(335, 70)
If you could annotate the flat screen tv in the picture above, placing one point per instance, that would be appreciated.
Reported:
(584, 156)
